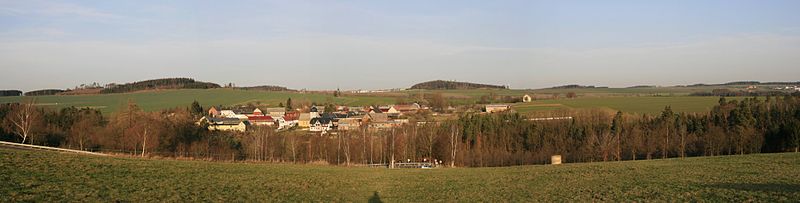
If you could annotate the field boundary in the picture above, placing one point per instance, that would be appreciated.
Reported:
(36, 147)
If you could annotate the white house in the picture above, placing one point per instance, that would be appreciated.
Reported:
(321, 125)
(227, 114)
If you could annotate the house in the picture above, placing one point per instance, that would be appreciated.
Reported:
(276, 112)
(314, 111)
(257, 112)
(527, 98)
(261, 120)
(227, 114)
(304, 121)
(356, 109)
(213, 112)
(494, 108)
(384, 109)
(286, 122)
(376, 118)
(352, 123)
(225, 124)
(321, 125)
(405, 108)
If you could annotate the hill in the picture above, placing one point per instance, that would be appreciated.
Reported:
(453, 85)
(50, 176)
(575, 87)
(266, 88)
(166, 83)
(165, 99)
(10, 93)
(44, 92)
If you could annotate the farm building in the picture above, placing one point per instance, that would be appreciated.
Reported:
(406, 108)
(349, 123)
(494, 108)
(257, 112)
(304, 121)
(261, 120)
(213, 112)
(276, 112)
(225, 124)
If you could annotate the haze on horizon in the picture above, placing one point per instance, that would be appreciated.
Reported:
(378, 44)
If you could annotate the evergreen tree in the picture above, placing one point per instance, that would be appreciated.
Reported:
(196, 109)
(289, 106)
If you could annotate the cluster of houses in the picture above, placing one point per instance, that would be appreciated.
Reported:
(791, 88)
(314, 119)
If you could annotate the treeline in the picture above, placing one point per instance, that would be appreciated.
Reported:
(10, 93)
(575, 87)
(266, 88)
(454, 85)
(742, 93)
(44, 92)
(166, 83)
(733, 127)
(745, 83)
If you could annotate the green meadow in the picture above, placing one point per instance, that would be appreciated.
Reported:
(627, 104)
(163, 99)
(624, 99)
(34, 176)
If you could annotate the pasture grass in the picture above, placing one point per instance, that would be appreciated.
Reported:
(49, 176)
(628, 104)
(165, 99)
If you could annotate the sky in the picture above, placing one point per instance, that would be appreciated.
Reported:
(325, 45)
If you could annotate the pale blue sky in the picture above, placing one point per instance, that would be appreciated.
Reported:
(382, 44)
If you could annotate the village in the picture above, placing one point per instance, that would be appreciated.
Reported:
(317, 120)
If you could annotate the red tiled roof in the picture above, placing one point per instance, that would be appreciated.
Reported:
(255, 118)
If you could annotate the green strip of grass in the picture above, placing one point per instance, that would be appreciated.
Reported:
(48, 176)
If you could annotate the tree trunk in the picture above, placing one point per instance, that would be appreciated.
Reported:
(144, 142)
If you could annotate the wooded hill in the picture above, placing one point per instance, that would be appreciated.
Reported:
(266, 88)
(7, 93)
(166, 83)
(454, 85)
(44, 92)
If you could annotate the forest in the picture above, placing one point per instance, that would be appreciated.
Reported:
(453, 85)
(752, 125)
(10, 93)
(166, 83)
(266, 88)
(44, 92)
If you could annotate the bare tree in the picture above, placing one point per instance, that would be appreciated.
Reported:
(453, 144)
(24, 119)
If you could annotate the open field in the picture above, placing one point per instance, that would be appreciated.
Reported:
(50, 176)
(157, 100)
(649, 105)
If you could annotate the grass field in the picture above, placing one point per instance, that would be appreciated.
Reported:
(50, 176)
(649, 105)
(157, 100)
(615, 98)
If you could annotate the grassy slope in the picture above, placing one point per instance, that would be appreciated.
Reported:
(650, 105)
(48, 176)
(613, 98)
(157, 100)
